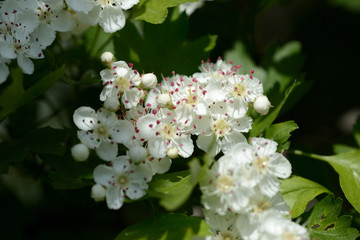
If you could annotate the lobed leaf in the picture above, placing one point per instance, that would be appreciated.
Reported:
(325, 224)
(280, 132)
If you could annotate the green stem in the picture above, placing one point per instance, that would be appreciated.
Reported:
(94, 40)
(309, 155)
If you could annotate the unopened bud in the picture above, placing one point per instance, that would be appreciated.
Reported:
(262, 105)
(107, 57)
(172, 152)
(163, 99)
(137, 154)
(80, 152)
(149, 80)
(98, 192)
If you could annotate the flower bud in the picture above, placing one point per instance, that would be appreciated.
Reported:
(80, 152)
(98, 192)
(137, 154)
(107, 57)
(149, 80)
(163, 99)
(172, 152)
(262, 105)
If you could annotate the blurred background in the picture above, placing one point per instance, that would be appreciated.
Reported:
(322, 39)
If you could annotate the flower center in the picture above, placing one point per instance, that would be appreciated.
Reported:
(239, 90)
(261, 207)
(122, 83)
(102, 131)
(221, 127)
(224, 183)
(168, 131)
(191, 99)
(105, 2)
(261, 163)
(123, 180)
(226, 236)
(289, 236)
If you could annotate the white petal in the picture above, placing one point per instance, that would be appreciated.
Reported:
(28, 19)
(114, 197)
(25, 64)
(44, 35)
(107, 150)
(106, 117)
(135, 191)
(85, 118)
(237, 108)
(103, 175)
(121, 164)
(162, 165)
(280, 166)
(81, 5)
(112, 19)
(7, 50)
(231, 139)
(146, 125)
(131, 98)
(185, 146)
(157, 147)
(127, 4)
(269, 186)
(62, 21)
(122, 131)
(242, 124)
(91, 18)
(89, 139)
(4, 72)
(208, 144)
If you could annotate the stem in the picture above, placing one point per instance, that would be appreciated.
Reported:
(309, 155)
(94, 40)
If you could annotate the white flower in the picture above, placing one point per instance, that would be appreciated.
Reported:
(222, 227)
(266, 163)
(262, 105)
(223, 131)
(227, 186)
(101, 131)
(80, 152)
(121, 81)
(275, 226)
(109, 13)
(122, 180)
(163, 131)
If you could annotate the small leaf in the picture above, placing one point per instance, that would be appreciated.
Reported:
(324, 223)
(166, 226)
(173, 189)
(262, 123)
(155, 11)
(280, 132)
(347, 165)
(298, 191)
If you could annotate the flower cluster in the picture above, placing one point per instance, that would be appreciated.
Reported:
(157, 122)
(27, 27)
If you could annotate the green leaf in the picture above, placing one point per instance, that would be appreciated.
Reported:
(357, 131)
(155, 11)
(341, 148)
(173, 189)
(262, 123)
(280, 132)
(298, 191)
(350, 5)
(14, 96)
(347, 165)
(172, 51)
(166, 226)
(11, 96)
(324, 223)
(11, 152)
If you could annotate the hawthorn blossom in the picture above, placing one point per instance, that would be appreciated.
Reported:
(102, 130)
(120, 82)
(122, 179)
(163, 132)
